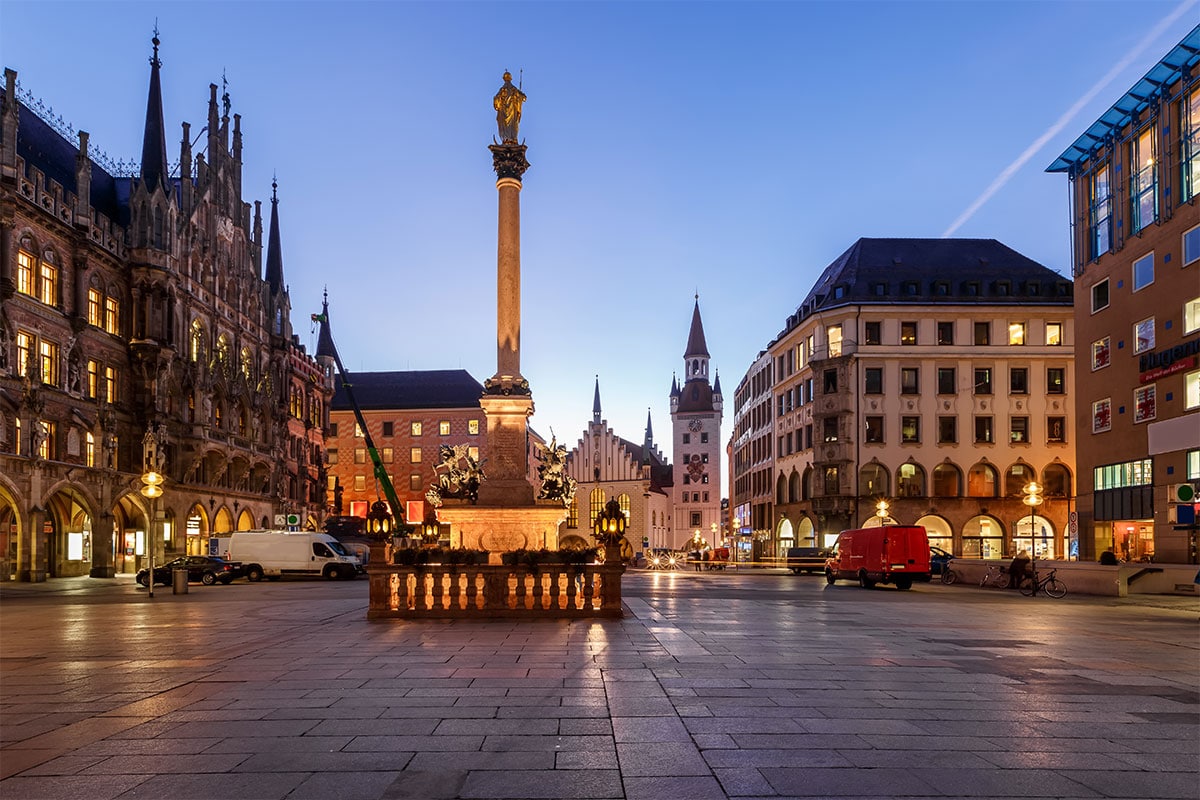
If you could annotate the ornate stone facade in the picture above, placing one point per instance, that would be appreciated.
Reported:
(130, 302)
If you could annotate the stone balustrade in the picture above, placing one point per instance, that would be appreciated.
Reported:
(493, 591)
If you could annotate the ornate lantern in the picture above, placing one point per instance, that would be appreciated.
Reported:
(379, 521)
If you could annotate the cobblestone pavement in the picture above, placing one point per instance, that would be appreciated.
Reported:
(714, 685)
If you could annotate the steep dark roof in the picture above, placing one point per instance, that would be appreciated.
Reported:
(697, 395)
(696, 346)
(927, 271)
(274, 248)
(44, 148)
(154, 137)
(324, 337)
(660, 471)
(437, 388)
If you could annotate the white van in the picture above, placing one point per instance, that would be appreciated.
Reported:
(272, 554)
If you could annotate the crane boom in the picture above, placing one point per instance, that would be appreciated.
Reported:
(381, 475)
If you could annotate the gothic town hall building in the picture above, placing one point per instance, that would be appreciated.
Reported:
(135, 306)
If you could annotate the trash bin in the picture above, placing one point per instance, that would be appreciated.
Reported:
(179, 582)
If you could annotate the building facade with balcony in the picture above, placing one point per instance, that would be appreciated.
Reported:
(1134, 182)
(934, 374)
(132, 299)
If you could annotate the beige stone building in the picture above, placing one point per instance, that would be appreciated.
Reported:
(607, 467)
(1135, 226)
(935, 375)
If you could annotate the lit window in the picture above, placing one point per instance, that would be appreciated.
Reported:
(444, 428)
(1100, 214)
(1191, 383)
(908, 333)
(24, 352)
(112, 315)
(414, 482)
(473, 453)
(1102, 415)
(1101, 353)
(1054, 334)
(910, 429)
(1100, 296)
(1190, 163)
(360, 455)
(94, 307)
(1019, 430)
(48, 286)
(1016, 333)
(331, 455)
(415, 429)
(360, 483)
(1144, 403)
(89, 449)
(25, 273)
(473, 427)
(1143, 181)
(44, 446)
(386, 455)
(1056, 380)
(834, 335)
(196, 342)
(1143, 335)
(110, 384)
(1143, 272)
(1191, 316)
(414, 455)
(49, 354)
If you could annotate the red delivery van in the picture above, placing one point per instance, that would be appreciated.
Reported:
(896, 554)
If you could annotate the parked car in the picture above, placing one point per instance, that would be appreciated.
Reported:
(938, 559)
(806, 559)
(206, 569)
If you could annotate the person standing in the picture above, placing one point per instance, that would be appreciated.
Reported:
(1018, 569)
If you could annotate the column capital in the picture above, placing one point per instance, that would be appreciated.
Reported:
(509, 160)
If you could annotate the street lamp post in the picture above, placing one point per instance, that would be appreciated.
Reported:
(1033, 499)
(152, 479)
(881, 508)
(379, 521)
(609, 530)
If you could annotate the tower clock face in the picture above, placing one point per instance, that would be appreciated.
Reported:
(695, 425)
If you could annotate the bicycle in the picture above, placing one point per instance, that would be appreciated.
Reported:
(1050, 585)
(949, 576)
(996, 575)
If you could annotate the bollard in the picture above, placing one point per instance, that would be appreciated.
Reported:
(179, 581)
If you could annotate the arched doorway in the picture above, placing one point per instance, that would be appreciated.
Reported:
(245, 521)
(10, 531)
(939, 531)
(196, 531)
(806, 533)
(1035, 534)
(983, 537)
(786, 535)
(66, 535)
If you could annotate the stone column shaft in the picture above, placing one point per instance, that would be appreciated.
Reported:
(508, 280)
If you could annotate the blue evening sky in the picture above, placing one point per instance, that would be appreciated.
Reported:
(729, 149)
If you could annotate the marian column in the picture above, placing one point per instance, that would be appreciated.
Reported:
(507, 401)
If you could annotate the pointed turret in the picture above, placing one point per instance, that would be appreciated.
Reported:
(648, 444)
(278, 304)
(596, 403)
(154, 138)
(326, 354)
(696, 345)
(274, 275)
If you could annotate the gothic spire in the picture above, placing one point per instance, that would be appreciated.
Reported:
(696, 345)
(274, 250)
(325, 347)
(596, 402)
(717, 384)
(649, 429)
(154, 138)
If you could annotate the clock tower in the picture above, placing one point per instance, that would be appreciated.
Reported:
(696, 440)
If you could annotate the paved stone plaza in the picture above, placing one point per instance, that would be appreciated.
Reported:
(714, 685)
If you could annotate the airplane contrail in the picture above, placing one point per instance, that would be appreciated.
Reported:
(1006, 174)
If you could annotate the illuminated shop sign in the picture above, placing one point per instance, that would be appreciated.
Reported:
(1153, 366)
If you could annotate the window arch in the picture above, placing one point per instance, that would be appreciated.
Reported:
(781, 490)
(196, 342)
(597, 504)
(623, 502)
(573, 514)
(807, 483)
(1056, 480)
(1019, 476)
(910, 480)
(873, 480)
(947, 480)
(247, 365)
(794, 487)
(982, 480)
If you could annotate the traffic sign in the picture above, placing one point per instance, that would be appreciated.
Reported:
(1073, 522)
